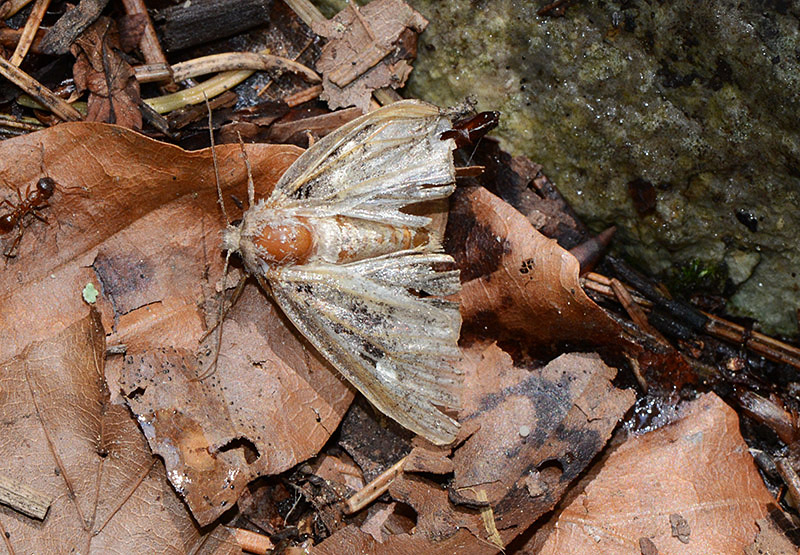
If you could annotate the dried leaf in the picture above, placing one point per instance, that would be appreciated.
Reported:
(112, 85)
(367, 49)
(698, 467)
(778, 535)
(554, 420)
(517, 283)
(61, 432)
(140, 219)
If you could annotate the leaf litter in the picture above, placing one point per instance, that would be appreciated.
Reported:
(536, 417)
(274, 402)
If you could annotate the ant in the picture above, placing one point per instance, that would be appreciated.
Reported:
(35, 199)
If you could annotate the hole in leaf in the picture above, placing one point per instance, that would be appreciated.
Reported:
(251, 454)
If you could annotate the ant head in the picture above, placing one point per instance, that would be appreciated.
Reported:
(46, 186)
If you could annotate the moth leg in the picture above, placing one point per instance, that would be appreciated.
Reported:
(223, 312)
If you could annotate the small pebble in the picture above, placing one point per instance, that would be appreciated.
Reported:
(524, 431)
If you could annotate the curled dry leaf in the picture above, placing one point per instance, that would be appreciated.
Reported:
(140, 219)
(517, 283)
(367, 50)
(553, 419)
(698, 467)
(112, 85)
(62, 433)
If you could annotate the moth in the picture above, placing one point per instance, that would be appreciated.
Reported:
(356, 271)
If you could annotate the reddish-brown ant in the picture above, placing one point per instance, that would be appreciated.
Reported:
(35, 199)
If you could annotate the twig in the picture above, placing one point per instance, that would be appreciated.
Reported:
(634, 311)
(29, 32)
(148, 44)
(374, 489)
(240, 60)
(386, 95)
(23, 124)
(39, 92)
(195, 95)
(303, 96)
(11, 7)
(720, 328)
(23, 499)
(252, 542)
(306, 11)
(10, 37)
(152, 73)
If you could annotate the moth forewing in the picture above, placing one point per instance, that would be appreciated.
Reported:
(359, 289)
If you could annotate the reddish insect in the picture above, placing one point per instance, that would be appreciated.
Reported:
(468, 131)
(35, 199)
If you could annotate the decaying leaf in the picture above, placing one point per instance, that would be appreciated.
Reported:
(777, 535)
(368, 49)
(517, 283)
(697, 467)
(140, 220)
(113, 88)
(61, 432)
(553, 419)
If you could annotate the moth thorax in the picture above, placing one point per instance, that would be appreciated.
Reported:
(283, 243)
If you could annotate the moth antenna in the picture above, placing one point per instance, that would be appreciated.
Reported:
(214, 159)
(251, 188)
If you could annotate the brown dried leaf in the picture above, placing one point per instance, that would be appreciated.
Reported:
(554, 420)
(698, 467)
(62, 433)
(141, 221)
(778, 535)
(517, 283)
(367, 50)
(113, 88)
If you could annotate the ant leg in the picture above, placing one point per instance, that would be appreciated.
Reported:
(9, 253)
(39, 216)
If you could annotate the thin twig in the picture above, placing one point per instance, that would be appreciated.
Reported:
(39, 92)
(720, 328)
(152, 73)
(635, 312)
(240, 60)
(374, 489)
(195, 95)
(252, 542)
(303, 96)
(23, 498)
(148, 44)
(11, 7)
(29, 32)
(306, 11)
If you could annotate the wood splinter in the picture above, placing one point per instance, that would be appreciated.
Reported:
(374, 489)
(23, 499)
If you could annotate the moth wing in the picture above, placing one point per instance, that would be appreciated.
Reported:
(372, 167)
(397, 348)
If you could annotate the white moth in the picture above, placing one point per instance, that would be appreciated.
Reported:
(357, 275)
